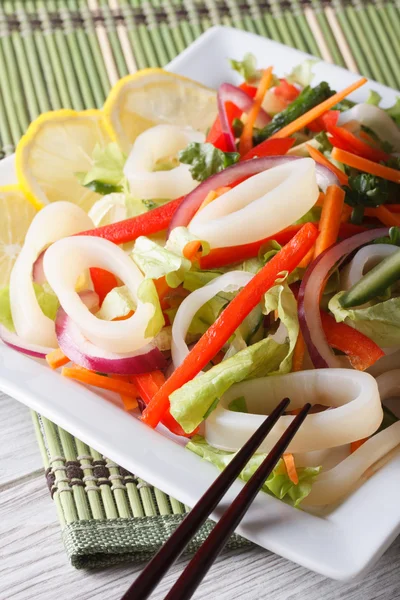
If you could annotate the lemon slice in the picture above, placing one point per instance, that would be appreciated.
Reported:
(55, 147)
(16, 216)
(154, 96)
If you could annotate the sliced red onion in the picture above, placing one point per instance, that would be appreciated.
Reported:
(230, 93)
(82, 352)
(310, 292)
(190, 205)
(14, 341)
(38, 275)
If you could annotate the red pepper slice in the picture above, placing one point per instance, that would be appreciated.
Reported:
(220, 257)
(148, 385)
(325, 121)
(215, 135)
(360, 349)
(103, 282)
(128, 230)
(270, 148)
(345, 140)
(215, 337)
(286, 90)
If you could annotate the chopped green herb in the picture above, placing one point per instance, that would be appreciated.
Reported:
(206, 160)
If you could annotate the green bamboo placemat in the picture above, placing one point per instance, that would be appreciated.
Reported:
(66, 54)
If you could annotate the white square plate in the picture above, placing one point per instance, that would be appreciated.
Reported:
(341, 544)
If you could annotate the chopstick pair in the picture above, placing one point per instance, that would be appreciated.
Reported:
(201, 562)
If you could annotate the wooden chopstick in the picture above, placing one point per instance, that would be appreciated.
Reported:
(174, 546)
(200, 564)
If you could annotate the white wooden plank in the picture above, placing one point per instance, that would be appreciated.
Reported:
(33, 565)
(19, 452)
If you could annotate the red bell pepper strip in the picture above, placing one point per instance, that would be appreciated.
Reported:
(130, 229)
(270, 148)
(148, 385)
(220, 257)
(103, 282)
(325, 121)
(345, 140)
(286, 90)
(215, 135)
(229, 320)
(360, 349)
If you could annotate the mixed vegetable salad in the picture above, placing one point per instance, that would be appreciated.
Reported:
(206, 275)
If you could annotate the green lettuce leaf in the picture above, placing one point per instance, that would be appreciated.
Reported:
(278, 483)
(194, 280)
(119, 303)
(281, 298)
(373, 98)
(45, 296)
(191, 402)
(394, 111)
(380, 322)
(311, 216)
(156, 261)
(147, 292)
(303, 74)
(247, 68)
(238, 405)
(106, 175)
(206, 160)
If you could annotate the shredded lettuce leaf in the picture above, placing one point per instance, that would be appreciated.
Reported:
(206, 160)
(373, 98)
(191, 402)
(281, 298)
(147, 292)
(119, 303)
(238, 405)
(156, 260)
(247, 68)
(303, 74)
(394, 111)
(45, 296)
(278, 483)
(380, 322)
(106, 175)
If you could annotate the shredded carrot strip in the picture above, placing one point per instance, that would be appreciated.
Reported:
(246, 139)
(130, 403)
(320, 200)
(298, 353)
(368, 166)
(330, 219)
(57, 358)
(384, 215)
(124, 317)
(291, 468)
(212, 196)
(346, 213)
(322, 160)
(317, 111)
(307, 259)
(191, 250)
(100, 381)
(357, 444)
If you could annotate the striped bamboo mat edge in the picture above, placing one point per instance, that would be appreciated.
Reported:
(66, 54)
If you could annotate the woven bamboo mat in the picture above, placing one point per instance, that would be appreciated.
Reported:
(67, 54)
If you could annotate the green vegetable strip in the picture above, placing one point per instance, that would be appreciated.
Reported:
(374, 283)
(308, 98)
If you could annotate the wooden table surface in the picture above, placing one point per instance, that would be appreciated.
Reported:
(34, 566)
